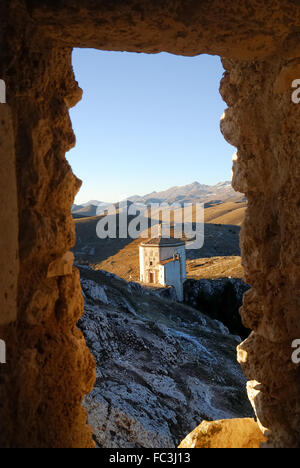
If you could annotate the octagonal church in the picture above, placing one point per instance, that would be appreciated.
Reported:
(163, 261)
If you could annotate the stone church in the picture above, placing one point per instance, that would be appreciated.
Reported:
(163, 261)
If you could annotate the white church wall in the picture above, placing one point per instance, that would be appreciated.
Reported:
(173, 277)
(149, 262)
(172, 273)
(161, 275)
(169, 251)
(142, 264)
(182, 253)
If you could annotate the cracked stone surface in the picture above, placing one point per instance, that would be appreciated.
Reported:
(162, 367)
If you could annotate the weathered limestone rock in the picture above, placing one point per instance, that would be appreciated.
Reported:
(162, 367)
(220, 299)
(259, 41)
(238, 30)
(262, 124)
(226, 433)
(49, 368)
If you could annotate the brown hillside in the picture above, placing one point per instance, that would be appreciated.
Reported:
(220, 255)
(226, 213)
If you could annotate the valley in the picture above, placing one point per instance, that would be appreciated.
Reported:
(219, 256)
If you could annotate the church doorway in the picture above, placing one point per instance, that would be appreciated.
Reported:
(151, 278)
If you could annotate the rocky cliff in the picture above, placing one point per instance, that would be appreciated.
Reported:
(220, 299)
(162, 367)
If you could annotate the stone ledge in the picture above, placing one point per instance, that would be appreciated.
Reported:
(62, 266)
(225, 433)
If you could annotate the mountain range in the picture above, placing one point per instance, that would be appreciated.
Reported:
(191, 193)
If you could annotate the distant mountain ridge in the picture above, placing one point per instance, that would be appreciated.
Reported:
(89, 209)
(191, 193)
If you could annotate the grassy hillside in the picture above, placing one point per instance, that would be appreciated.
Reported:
(220, 255)
(226, 213)
(215, 267)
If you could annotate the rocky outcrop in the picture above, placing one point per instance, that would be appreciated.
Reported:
(49, 367)
(161, 367)
(230, 433)
(261, 122)
(220, 299)
(167, 293)
(9, 259)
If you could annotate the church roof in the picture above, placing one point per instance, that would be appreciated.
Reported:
(162, 242)
(165, 262)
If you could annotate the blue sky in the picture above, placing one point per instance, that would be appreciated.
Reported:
(147, 122)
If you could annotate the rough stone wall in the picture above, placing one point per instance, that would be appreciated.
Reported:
(262, 123)
(49, 367)
(9, 259)
(242, 30)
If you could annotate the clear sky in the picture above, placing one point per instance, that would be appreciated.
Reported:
(147, 122)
